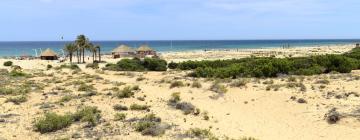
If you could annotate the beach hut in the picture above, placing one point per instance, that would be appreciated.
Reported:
(48, 54)
(145, 50)
(123, 51)
(357, 45)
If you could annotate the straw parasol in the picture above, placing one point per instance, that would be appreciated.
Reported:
(123, 49)
(144, 48)
(48, 54)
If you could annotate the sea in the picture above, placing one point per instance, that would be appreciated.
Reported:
(33, 48)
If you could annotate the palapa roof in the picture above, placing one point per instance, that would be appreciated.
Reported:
(144, 48)
(122, 49)
(48, 52)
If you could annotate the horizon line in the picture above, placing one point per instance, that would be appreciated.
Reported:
(184, 40)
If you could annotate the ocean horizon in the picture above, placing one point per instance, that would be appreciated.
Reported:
(27, 48)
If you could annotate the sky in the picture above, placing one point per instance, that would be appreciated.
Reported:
(49, 20)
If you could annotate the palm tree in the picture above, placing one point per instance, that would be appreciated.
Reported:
(99, 51)
(70, 49)
(82, 43)
(92, 49)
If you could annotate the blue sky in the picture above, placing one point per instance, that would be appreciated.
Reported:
(178, 19)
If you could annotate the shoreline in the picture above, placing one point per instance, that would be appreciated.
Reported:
(219, 49)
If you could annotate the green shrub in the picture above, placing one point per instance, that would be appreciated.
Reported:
(153, 64)
(175, 97)
(49, 66)
(139, 107)
(176, 84)
(130, 65)
(119, 107)
(196, 84)
(119, 116)
(172, 65)
(52, 122)
(8, 63)
(186, 108)
(149, 64)
(218, 88)
(239, 83)
(273, 67)
(92, 65)
(84, 87)
(200, 133)
(127, 92)
(17, 73)
(88, 114)
(65, 98)
(150, 125)
(71, 66)
(17, 100)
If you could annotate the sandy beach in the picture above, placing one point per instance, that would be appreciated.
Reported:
(263, 109)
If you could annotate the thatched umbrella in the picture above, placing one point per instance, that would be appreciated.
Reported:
(123, 51)
(48, 54)
(144, 50)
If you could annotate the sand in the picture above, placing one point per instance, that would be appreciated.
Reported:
(247, 111)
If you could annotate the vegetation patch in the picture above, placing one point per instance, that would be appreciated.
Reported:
(119, 116)
(52, 122)
(273, 67)
(218, 88)
(196, 84)
(176, 84)
(200, 134)
(127, 92)
(139, 107)
(92, 65)
(148, 64)
(8, 63)
(119, 107)
(151, 125)
(85, 87)
(17, 100)
(88, 114)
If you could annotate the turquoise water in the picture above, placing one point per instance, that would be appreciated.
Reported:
(27, 47)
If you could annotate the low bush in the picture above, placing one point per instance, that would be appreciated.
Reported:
(176, 84)
(119, 116)
(196, 84)
(139, 107)
(239, 83)
(172, 65)
(92, 65)
(218, 88)
(119, 107)
(85, 87)
(175, 97)
(71, 66)
(49, 66)
(52, 122)
(127, 92)
(148, 64)
(17, 73)
(186, 108)
(8, 63)
(272, 67)
(17, 100)
(88, 114)
(150, 125)
(66, 98)
(200, 133)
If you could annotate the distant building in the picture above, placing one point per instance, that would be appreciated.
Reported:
(123, 51)
(145, 50)
(48, 54)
